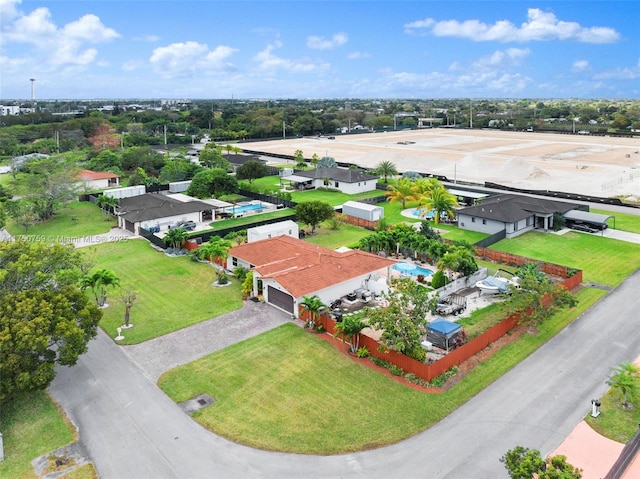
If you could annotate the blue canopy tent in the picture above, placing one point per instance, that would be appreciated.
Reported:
(442, 333)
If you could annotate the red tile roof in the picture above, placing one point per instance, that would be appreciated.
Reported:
(88, 175)
(303, 268)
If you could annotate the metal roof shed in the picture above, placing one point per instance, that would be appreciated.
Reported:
(587, 217)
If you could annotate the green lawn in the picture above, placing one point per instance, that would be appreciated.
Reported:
(288, 390)
(623, 221)
(31, 425)
(72, 220)
(346, 235)
(602, 260)
(172, 292)
(615, 422)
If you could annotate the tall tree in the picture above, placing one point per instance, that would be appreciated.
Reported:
(212, 158)
(175, 237)
(106, 203)
(45, 319)
(212, 183)
(402, 191)
(313, 213)
(299, 157)
(98, 283)
(49, 182)
(312, 305)
(349, 329)
(386, 169)
(525, 463)
(402, 322)
(251, 170)
(440, 201)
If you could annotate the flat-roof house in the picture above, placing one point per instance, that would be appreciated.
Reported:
(98, 180)
(290, 269)
(513, 214)
(346, 180)
(153, 210)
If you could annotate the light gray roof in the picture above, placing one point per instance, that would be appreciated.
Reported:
(153, 206)
(579, 215)
(509, 208)
(346, 175)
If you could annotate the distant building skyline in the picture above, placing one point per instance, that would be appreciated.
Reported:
(308, 49)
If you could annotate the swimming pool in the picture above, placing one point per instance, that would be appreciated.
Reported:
(242, 207)
(418, 211)
(412, 269)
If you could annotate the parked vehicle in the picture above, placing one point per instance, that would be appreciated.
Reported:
(452, 304)
(187, 225)
(583, 227)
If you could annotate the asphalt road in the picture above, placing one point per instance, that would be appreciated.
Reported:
(132, 430)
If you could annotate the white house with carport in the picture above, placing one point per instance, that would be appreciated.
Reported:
(290, 269)
(153, 210)
(346, 180)
(513, 214)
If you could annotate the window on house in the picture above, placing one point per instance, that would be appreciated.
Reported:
(484, 222)
(336, 184)
(473, 220)
(234, 261)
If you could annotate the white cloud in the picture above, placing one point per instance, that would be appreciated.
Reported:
(188, 58)
(621, 73)
(321, 43)
(358, 55)
(540, 26)
(580, 66)
(147, 38)
(502, 58)
(267, 60)
(90, 29)
(57, 46)
(8, 10)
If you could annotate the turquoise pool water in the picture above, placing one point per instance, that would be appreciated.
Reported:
(418, 211)
(412, 269)
(242, 207)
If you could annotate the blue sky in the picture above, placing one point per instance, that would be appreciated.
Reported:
(332, 49)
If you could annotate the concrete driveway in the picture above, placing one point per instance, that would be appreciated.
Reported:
(131, 429)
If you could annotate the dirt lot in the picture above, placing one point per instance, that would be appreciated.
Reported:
(600, 166)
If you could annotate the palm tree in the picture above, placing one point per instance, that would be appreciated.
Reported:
(625, 382)
(175, 237)
(299, 157)
(350, 329)
(104, 202)
(402, 191)
(313, 305)
(386, 169)
(218, 249)
(440, 201)
(98, 282)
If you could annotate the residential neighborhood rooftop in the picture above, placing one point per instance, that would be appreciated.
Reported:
(303, 268)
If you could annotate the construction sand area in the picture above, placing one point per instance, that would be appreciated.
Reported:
(588, 165)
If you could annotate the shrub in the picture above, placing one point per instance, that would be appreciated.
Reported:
(438, 280)
(222, 277)
(362, 353)
(395, 370)
(240, 273)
